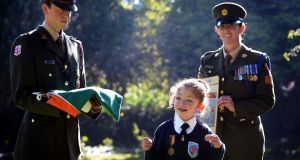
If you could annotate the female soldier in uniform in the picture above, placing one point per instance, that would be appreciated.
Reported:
(246, 86)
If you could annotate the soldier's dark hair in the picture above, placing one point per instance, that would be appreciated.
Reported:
(47, 2)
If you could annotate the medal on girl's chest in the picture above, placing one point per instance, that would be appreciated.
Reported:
(171, 150)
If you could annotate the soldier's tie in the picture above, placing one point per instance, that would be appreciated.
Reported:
(183, 133)
(227, 61)
(61, 46)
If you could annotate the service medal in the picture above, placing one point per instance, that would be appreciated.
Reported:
(255, 78)
(172, 140)
(171, 151)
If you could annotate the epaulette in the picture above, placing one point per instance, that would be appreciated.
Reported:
(213, 53)
(74, 39)
(28, 33)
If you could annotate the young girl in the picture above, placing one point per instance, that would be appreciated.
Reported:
(185, 137)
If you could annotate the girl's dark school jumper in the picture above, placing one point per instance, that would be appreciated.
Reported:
(164, 142)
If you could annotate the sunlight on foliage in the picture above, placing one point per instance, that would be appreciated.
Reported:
(154, 10)
(137, 132)
(292, 53)
(294, 33)
(118, 156)
(147, 94)
(295, 50)
(84, 138)
(107, 141)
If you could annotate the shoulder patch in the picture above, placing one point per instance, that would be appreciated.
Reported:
(18, 49)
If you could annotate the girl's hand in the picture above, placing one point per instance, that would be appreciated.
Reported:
(146, 144)
(214, 140)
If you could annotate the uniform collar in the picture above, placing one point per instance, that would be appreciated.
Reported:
(178, 123)
(51, 31)
(234, 53)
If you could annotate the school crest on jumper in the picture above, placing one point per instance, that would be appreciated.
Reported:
(193, 148)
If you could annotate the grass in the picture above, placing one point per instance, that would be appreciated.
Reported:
(116, 156)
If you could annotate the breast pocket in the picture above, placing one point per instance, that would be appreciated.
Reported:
(47, 71)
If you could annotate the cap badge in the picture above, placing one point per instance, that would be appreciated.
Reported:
(224, 12)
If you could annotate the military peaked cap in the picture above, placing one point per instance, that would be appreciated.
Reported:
(68, 5)
(228, 13)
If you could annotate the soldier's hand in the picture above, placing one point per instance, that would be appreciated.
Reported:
(96, 105)
(227, 102)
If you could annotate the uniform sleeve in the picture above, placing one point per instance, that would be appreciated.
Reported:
(212, 153)
(263, 97)
(23, 79)
(201, 72)
(217, 153)
(82, 68)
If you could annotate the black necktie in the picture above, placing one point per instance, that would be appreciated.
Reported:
(183, 133)
(227, 61)
(61, 46)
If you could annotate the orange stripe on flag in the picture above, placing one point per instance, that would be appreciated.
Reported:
(62, 104)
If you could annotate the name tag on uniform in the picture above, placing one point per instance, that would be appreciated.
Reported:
(49, 61)
(209, 66)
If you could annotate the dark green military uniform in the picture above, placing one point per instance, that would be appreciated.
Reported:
(37, 66)
(248, 81)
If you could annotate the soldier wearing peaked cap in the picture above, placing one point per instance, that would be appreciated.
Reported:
(246, 88)
(41, 60)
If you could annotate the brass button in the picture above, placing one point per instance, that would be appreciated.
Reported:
(32, 120)
(66, 66)
(252, 122)
(222, 79)
(68, 116)
(50, 74)
(221, 119)
(209, 71)
(66, 83)
(221, 92)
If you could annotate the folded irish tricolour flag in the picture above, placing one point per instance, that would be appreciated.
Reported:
(77, 100)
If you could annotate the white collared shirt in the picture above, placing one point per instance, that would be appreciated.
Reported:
(52, 32)
(178, 122)
(233, 53)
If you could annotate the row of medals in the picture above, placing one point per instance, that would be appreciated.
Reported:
(246, 72)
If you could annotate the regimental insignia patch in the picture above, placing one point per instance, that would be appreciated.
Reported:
(268, 78)
(193, 148)
(18, 49)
